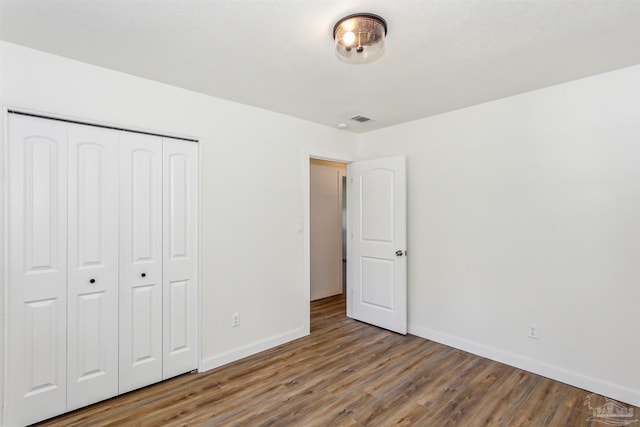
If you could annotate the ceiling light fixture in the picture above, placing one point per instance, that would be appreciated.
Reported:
(360, 37)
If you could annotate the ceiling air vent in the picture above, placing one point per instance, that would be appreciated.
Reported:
(360, 118)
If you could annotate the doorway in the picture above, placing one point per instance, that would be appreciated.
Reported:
(327, 203)
(376, 290)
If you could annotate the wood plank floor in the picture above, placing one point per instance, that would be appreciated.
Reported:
(347, 373)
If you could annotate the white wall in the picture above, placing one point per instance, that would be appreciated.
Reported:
(254, 165)
(527, 210)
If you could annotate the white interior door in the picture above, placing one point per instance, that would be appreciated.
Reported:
(36, 348)
(377, 264)
(92, 359)
(140, 260)
(180, 256)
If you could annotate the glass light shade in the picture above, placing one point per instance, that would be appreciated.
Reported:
(360, 38)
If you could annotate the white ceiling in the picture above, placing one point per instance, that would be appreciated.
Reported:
(278, 54)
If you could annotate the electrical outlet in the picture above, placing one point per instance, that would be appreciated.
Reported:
(533, 331)
(235, 320)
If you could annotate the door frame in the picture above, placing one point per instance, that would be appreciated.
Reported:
(305, 228)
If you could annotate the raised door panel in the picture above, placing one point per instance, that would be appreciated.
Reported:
(180, 256)
(140, 260)
(37, 269)
(92, 360)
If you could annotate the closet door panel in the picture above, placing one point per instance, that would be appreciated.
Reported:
(140, 260)
(92, 360)
(180, 256)
(37, 270)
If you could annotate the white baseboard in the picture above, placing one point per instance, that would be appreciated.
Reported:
(249, 350)
(575, 379)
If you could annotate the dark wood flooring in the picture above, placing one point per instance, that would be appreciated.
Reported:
(348, 373)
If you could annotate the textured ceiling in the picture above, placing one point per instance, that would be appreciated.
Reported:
(278, 54)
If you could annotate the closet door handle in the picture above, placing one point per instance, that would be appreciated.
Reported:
(92, 281)
(143, 275)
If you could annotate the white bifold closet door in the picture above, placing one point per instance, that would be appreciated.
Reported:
(180, 259)
(36, 321)
(158, 259)
(140, 260)
(92, 358)
(102, 257)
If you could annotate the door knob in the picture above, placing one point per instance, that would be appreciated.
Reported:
(92, 281)
(399, 253)
(143, 275)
